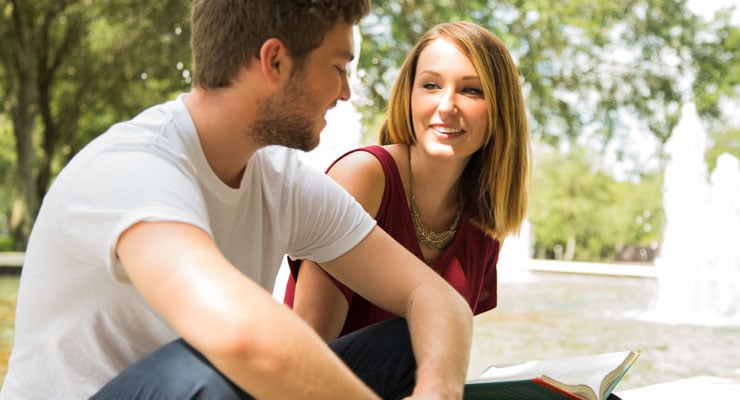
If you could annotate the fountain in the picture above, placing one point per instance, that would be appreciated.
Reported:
(699, 263)
(515, 257)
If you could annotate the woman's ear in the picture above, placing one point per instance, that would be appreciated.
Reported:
(273, 59)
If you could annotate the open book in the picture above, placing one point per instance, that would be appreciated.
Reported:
(590, 377)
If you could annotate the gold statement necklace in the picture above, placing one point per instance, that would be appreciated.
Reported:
(427, 237)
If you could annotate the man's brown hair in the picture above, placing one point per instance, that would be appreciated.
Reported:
(227, 34)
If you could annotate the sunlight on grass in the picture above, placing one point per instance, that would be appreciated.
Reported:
(8, 295)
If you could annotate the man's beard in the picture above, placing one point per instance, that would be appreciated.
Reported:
(285, 119)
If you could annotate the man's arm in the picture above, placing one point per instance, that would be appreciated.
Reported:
(440, 321)
(236, 324)
(317, 299)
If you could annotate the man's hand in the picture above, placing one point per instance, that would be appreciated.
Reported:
(440, 321)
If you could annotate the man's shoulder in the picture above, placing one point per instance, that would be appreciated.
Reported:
(163, 129)
(172, 113)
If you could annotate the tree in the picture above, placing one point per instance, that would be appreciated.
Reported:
(567, 203)
(592, 72)
(639, 221)
(584, 64)
(7, 163)
(71, 68)
(389, 34)
(578, 207)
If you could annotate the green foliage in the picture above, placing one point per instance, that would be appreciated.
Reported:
(637, 214)
(715, 52)
(580, 209)
(126, 60)
(71, 69)
(7, 155)
(584, 64)
(587, 68)
(727, 141)
(6, 243)
(98, 62)
(7, 165)
(566, 198)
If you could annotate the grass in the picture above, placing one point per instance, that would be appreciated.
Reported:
(8, 295)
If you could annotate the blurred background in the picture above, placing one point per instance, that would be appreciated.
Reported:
(604, 83)
(608, 85)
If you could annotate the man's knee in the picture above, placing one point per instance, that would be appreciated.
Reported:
(174, 371)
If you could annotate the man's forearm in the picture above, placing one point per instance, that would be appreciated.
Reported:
(440, 321)
(441, 327)
(308, 370)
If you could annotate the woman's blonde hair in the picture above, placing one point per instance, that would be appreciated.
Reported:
(495, 183)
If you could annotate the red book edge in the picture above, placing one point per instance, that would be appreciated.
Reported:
(556, 389)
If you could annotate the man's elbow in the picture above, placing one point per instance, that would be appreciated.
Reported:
(441, 295)
(247, 349)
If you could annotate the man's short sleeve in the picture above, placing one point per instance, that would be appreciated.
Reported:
(329, 221)
(101, 198)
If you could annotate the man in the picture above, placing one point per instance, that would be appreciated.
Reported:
(149, 270)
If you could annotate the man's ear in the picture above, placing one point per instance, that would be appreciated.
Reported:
(274, 59)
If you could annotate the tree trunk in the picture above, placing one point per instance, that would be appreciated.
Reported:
(24, 201)
(570, 246)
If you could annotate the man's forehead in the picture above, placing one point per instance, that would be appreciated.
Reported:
(339, 42)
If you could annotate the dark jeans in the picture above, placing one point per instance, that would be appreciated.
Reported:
(380, 355)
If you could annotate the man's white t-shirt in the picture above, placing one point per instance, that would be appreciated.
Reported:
(79, 321)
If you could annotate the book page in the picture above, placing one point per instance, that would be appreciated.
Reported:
(589, 370)
(610, 382)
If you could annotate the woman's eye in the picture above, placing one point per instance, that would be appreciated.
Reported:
(430, 86)
(473, 91)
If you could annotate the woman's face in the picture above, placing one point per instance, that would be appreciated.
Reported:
(448, 108)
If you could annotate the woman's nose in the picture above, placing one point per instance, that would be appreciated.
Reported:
(447, 103)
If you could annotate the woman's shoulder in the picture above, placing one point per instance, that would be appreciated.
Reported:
(366, 161)
(362, 174)
(360, 162)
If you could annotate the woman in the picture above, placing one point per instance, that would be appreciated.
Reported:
(449, 182)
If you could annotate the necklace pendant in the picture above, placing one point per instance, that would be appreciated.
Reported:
(426, 236)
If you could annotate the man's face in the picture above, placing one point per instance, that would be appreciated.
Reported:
(294, 117)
